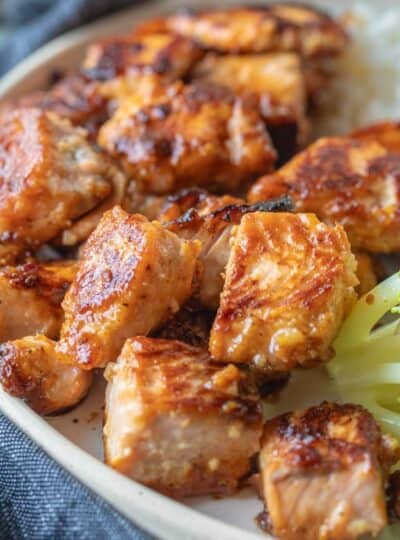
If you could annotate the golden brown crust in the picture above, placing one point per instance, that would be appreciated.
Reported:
(198, 135)
(31, 369)
(50, 280)
(352, 182)
(276, 81)
(31, 296)
(193, 380)
(289, 283)
(184, 404)
(159, 53)
(49, 174)
(198, 199)
(73, 97)
(152, 26)
(385, 133)
(212, 212)
(168, 208)
(133, 275)
(276, 27)
(137, 62)
(313, 439)
(332, 451)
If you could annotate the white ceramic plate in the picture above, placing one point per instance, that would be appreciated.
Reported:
(74, 439)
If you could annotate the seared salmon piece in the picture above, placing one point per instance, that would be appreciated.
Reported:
(275, 27)
(385, 133)
(277, 82)
(50, 176)
(31, 369)
(289, 283)
(213, 230)
(119, 63)
(161, 53)
(73, 97)
(31, 296)
(80, 230)
(324, 472)
(178, 422)
(352, 182)
(195, 135)
(166, 208)
(133, 276)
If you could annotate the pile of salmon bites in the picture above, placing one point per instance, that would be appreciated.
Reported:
(161, 217)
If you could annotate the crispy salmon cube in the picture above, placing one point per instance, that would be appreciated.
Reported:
(278, 83)
(160, 53)
(178, 422)
(50, 176)
(31, 369)
(122, 64)
(385, 133)
(213, 230)
(176, 205)
(133, 275)
(324, 472)
(274, 27)
(73, 97)
(289, 284)
(31, 296)
(354, 182)
(165, 208)
(195, 135)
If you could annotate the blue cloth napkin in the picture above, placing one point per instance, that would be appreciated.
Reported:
(41, 501)
(38, 499)
(34, 22)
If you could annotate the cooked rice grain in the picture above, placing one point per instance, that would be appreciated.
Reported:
(366, 87)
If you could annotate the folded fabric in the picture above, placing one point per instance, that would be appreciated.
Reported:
(42, 20)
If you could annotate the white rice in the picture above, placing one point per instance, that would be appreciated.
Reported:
(367, 85)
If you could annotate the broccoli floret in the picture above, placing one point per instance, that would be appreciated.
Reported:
(366, 366)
